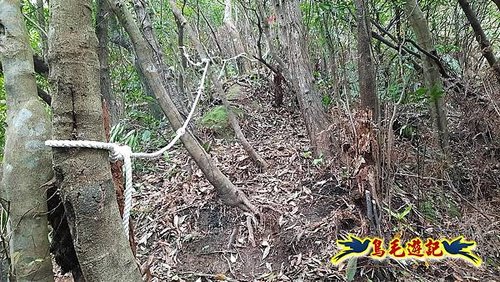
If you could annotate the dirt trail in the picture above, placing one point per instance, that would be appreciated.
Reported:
(184, 233)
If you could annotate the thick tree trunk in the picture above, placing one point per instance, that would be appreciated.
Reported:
(366, 67)
(84, 175)
(226, 190)
(481, 38)
(27, 162)
(432, 77)
(299, 66)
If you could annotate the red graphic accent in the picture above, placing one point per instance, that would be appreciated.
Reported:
(378, 251)
(395, 249)
(414, 248)
(433, 248)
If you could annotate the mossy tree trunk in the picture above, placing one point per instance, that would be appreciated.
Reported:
(27, 162)
(84, 175)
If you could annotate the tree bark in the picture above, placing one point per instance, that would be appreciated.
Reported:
(272, 49)
(102, 32)
(332, 62)
(42, 69)
(366, 67)
(4, 266)
(27, 162)
(484, 43)
(183, 60)
(86, 186)
(299, 68)
(226, 190)
(147, 31)
(234, 35)
(432, 78)
(42, 22)
(367, 148)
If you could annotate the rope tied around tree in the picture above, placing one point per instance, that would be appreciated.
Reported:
(124, 152)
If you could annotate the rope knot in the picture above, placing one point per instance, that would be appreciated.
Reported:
(181, 131)
(120, 152)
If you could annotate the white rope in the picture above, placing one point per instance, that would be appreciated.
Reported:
(125, 153)
(241, 55)
(188, 58)
(182, 129)
(117, 152)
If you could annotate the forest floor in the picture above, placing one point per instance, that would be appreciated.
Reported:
(184, 233)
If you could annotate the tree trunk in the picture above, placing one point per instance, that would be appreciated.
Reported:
(481, 38)
(183, 60)
(278, 87)
(299, 66)
(226, 190)
(84, 175)
(234, 35)
(332, 62)
(272, 49)
(102, 30)
(367, 148)
(4, 266)
(147, 31)
(27, 162)
(366, 67)
(42, 22)
(432, 78)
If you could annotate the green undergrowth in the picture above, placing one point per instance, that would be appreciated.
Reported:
(216, 118)
(436, 205)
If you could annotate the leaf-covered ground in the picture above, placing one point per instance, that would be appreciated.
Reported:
(185, 234)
